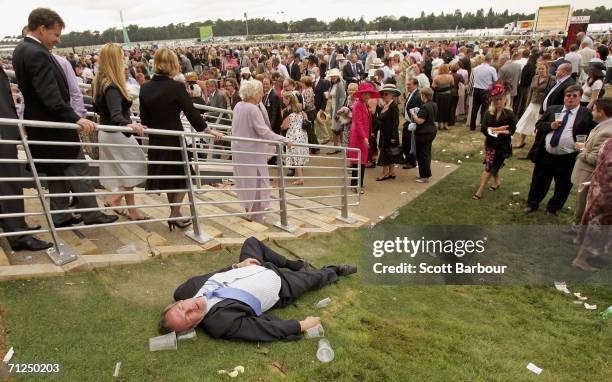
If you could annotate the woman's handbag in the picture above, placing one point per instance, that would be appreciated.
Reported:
(92, 151)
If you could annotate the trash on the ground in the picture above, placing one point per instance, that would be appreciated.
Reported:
(480, 152)
(28, 258)
(315, 332)
(403, 193)
(164, 342)
(381, 217)
(443, 150)
(233, 374)
(117, 368)
(70, 283)
(187, 335)
(459, 161)
(577, 302)
(8, 355)
(534, 369)
(516, 193)
(562, 287)
(580, 297)
(509, 204)
(467, 157)
(590, 307)
(447, 166)
(126, 249)
(325, 353)
(606, 313)
(221, 372)
(323, 303)
(394, 215)
(512, 169)
(239, 369)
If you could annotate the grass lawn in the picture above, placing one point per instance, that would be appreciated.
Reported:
(379, 333)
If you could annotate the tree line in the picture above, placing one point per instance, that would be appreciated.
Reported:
(259, 26)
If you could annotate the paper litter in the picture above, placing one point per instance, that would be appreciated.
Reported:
(403, 193)
(534, 369)
(590, 307)
(117, 368)
(8, 355)
(512, 169)
(459, 161)
(562, 287)
(580, 297)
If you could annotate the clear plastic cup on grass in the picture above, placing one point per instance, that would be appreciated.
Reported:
(165, 342)
(315, 332)
(325, 353)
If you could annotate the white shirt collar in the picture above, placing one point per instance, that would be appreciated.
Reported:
(34, 38)
(574, 110)
(559, 80)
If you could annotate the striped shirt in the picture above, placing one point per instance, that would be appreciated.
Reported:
(263, 283)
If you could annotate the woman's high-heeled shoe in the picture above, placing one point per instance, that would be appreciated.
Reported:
(179, 223)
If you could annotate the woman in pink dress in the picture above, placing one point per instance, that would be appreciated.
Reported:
(248, 122)
(361, 126)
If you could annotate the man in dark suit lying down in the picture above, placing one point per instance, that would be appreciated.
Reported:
(232, 303)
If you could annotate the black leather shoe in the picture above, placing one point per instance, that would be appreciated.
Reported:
(69, 223)
(529, 210)
(408, 166)
(30, 243)
(345, 269)
(104, 219)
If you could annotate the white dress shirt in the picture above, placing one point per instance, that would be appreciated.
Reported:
(261, 282)
(559, 82)
(566, 145)
(576, 60)
(484, 76)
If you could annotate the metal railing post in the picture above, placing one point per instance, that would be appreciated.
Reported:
(282, 198)
(60, 253)
(196, 234)
(196, 158)
(344, 216)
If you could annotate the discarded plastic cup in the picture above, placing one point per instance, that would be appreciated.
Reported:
(325, 353)
(516, 193)
(187, 335)
(323, 303)
(315, 332)
(606, 313)
(165, 342)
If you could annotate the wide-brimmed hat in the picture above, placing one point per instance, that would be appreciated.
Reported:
(322, 116)
(394, 53)
(377, 63)
(245, 70)
(366, 87)
(390, 88)
(335, 72)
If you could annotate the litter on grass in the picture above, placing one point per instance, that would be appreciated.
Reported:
(323, 303)
(590, 307)
(8, 355)
(117, 368)
(562, 287)
(580, 297)
(534, 369)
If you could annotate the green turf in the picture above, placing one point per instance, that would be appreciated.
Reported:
(379, 333)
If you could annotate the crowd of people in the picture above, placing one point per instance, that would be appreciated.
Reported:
(350, 94)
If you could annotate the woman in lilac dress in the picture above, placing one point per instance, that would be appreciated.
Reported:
(248, 122)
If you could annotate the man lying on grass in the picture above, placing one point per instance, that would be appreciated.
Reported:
(232, 302)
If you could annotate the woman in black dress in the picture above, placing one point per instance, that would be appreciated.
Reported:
(498, 126)
(425, 133)
(388, 120)
(443, 84)
(161, 101)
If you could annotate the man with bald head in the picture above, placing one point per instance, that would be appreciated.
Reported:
(564, 79)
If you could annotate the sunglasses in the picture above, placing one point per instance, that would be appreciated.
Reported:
(573, 95)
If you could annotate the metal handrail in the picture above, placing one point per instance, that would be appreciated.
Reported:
(61, 253)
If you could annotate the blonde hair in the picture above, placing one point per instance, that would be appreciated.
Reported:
(165, 62)
(110, 71)
(294, 104)
(443, 69)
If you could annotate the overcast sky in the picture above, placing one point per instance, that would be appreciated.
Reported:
(100, 15)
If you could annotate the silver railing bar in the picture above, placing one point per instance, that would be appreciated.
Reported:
(284, 222)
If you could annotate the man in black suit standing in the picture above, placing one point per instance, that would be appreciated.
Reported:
(294, 68)
(555, 155)
(321, 85)
(9, 151)
(352, 71)
(273, 105)
(232, 303)
(413, 99)
(47, 98)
